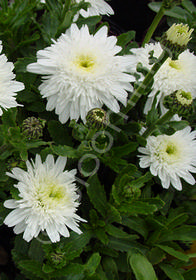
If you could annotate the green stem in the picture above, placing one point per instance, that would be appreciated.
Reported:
(141, 89)
(166, 117)
(154, 25)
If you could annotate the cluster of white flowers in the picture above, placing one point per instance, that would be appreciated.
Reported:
(173, 75)
(81, 71)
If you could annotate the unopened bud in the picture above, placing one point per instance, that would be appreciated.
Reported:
(32, 128)
(97, 118)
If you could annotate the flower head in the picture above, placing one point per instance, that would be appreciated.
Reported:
(179, 34)
(48, 200)
(8, 86)
(172, 76)
(171, 157)
(83, 72)
(97, 7)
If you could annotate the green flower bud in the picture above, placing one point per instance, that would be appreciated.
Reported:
(169, 4)
(32, 128)
(97, 118)
(131, 192)
(57, 258)
(176, 39)
(179, 102)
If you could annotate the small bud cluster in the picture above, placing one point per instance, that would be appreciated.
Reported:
(169, 4)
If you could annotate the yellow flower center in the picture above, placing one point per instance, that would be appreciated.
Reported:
(85, 62)
(185, 98)
(175, 64)
(50, 195)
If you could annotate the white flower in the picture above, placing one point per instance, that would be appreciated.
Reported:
(173, 75)
(171, 157)
(97, 7)
(8, 86)
(48, 200)
(82, 72)
(179, 34)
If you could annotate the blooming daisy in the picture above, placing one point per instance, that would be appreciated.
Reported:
(8, 86)
(171, 157)
(97, 7)
(173, 75)
(82, 72)
(48, 200)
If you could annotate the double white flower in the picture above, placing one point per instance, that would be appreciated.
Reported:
(48, 200)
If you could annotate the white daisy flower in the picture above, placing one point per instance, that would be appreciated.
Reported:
(96, 8)
(173, 75)
(8, 86)
(82, 72)
(171, 157)
(48, 200)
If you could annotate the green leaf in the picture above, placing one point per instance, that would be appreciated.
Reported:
(183, 233)
(65, 151)
(92, 264)
(9, 117)
(190, 274)
(97, 195)
(124, 150)
(156, 255)
(137, 207)
(137, 224)
(32, 266)
(189, 6)
(59, 133)
(119, 233)
(125, 38)
(174, 253)
(47, 268)
(110, 268)
(139, 183)
(142, 268)
(171, 272)
(36, 251)
(21, 64)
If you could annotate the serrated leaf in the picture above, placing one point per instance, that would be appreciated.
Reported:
(171, 272)
(137, 207)
(97, 195)
(139, 183)
(174, 253)
(140, 265)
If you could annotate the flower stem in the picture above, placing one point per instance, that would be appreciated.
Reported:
(154, 25)
(166, 117)
(141, 89)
